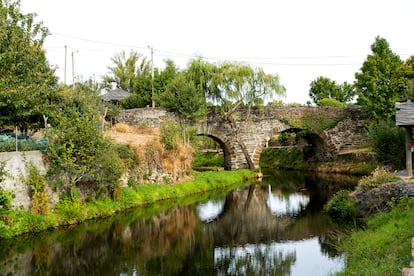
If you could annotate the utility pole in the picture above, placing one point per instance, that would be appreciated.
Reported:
(152, 76)
(66, 54)
(73, 70)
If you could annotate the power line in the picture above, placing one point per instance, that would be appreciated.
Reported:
(272, 61)
(169, 53)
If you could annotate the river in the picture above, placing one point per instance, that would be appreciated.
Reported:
(276, 227)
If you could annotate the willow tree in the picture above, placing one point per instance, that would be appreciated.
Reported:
(26, 79)
(232, 85)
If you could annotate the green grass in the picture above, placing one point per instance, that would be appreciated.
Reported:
(384, 248)
(15, 222)
(209, 159)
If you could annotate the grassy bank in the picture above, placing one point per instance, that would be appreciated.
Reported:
(66, 212)
(355, 163)
(384, 248)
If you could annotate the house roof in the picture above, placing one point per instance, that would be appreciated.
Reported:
(115, 95)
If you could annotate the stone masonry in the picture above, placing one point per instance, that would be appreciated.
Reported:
(261, 125)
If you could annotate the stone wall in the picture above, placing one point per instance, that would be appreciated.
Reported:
(376, 200)
(148, 117)
(349, 133)
(260, 124)
(16, 168)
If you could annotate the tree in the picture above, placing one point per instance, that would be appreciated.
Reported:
(376, 86)
(405, 79)
(325, 88)
(133, 74)
(77, 148)
(232, 85)
(26, 79)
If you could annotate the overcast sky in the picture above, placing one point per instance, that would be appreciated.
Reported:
(299, 40)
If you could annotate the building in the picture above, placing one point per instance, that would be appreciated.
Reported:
(115, 95)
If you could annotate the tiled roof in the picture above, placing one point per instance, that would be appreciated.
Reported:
(115, 95)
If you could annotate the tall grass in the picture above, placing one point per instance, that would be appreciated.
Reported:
(384, 248)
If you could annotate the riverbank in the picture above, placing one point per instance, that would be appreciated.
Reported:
(67, 212)
(384, 246)
(384, 205)
(357, 162)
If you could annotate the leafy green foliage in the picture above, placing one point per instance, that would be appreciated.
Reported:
(6, 198)
(182, 96)
(37, 183)
(388, 142)
(131, 73)
(377, 83)
(209, 159)
(323, 88)
(170, 133)
(331, 102)
(341, 207)
(312, 122)
(405, 77)
(77, 148)
(26, 79)
(283, 158)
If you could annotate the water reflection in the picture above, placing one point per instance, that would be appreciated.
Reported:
(237, 234)
(290, 204)
(210, 210)
(276, 258)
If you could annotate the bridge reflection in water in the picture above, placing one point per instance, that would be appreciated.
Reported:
(265, 229)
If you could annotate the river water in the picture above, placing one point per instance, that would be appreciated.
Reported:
(276, 227)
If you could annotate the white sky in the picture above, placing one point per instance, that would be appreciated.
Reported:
(299, 40)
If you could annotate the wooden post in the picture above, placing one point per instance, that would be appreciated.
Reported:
(408, 153)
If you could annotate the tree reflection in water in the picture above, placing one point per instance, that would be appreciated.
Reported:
(239, 234)
(282, 205)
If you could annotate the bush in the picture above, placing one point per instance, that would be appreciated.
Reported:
(6, 198)
(37, 183)
(341, 207)
(170, 135)
(330, 102)
(378, 177)
(388, 142)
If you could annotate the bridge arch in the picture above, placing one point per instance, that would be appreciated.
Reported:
(228, 150)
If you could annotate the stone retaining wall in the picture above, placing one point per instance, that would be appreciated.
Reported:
(16, 168)
(376, 200)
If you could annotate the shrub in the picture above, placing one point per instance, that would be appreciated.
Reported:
(6, 198)
(388, 142)
(331, 102)
(170, 135)
(37, 183)
(341, 207)
(379, 176)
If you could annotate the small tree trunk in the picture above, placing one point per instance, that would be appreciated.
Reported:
(243, 147)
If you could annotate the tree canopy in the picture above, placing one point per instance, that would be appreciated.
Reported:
(131, 73)
(377, 85)
(325, 88)
(26, 79)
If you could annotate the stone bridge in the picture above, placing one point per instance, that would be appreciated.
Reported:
(327, 130)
